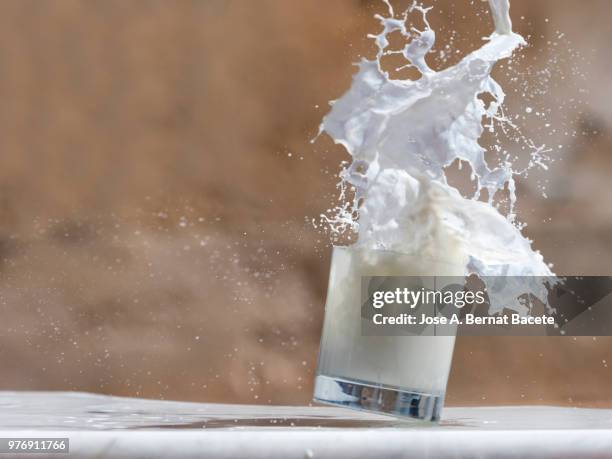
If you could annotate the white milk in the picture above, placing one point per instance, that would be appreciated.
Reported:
(417, 363)
(401, 135)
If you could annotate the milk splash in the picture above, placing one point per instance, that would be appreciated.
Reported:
(402, 134)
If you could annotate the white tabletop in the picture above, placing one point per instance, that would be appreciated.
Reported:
(101, 426)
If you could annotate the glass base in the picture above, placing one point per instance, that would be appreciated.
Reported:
(366, 396)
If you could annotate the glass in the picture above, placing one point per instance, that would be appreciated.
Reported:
(403, 376)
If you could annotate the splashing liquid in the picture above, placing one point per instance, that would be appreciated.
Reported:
(403, 134)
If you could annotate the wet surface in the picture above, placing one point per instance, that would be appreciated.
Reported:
(80, 411)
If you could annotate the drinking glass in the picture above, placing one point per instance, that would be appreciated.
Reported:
(403, 376)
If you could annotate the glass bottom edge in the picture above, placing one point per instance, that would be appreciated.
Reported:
(377, 398)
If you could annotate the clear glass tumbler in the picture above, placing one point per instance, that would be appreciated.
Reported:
(403, 376)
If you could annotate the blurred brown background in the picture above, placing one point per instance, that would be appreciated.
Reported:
(157, 180)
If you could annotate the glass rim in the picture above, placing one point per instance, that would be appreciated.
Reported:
(355, 248)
